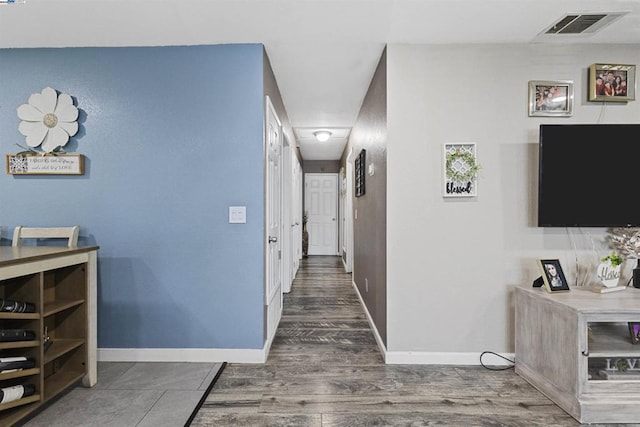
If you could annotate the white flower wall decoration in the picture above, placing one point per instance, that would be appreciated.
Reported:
(48, 120)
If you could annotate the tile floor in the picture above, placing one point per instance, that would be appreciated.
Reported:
(132, 394)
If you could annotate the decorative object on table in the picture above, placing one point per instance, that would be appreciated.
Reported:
(549, 98)
(48, 120)
(634, 332)
(553, 276)
(612, 82)
(627, 242)
(359, 171)
(460, 170)
(609, 270)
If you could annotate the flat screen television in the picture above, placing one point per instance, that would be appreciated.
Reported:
(589, 175)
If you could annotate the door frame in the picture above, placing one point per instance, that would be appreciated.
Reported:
(336, 249)
(285, 213)
(273, 294)
(348, 215)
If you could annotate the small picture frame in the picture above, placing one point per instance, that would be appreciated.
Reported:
(612, 82)
(553, 276)
(550, 98)
(634, 332)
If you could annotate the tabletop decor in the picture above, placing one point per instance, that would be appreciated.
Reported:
(553, 276)
(608, 270)
(460, 170)
(47, 121)
(626, 240)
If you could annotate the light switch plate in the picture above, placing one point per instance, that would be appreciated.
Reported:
(237, 214)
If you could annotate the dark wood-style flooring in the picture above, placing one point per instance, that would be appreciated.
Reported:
(325, 369)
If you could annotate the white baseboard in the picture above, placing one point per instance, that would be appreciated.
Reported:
(376, 334)
(430, 358)
(182, 355)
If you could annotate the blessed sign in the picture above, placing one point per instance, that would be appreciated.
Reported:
(62, 164)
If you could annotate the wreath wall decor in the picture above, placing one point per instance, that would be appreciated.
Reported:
(460, 170)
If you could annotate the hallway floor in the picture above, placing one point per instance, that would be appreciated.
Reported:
(325, 369)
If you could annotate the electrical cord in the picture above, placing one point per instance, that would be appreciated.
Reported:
(499, 355)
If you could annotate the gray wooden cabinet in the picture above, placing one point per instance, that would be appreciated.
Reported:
(576, 348)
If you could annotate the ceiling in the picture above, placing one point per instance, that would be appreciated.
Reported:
(323, 52)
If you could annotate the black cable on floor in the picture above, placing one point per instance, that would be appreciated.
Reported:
(499, 355)
(204, 396)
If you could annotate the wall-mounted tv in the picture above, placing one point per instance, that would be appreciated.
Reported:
(589, 175)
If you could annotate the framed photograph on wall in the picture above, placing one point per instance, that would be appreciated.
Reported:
(553, 276)
(612, 82)
(550, 98)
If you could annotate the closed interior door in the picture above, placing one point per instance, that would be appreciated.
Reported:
(273, 286)
(321, 204)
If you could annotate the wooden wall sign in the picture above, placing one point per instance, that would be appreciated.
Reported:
(359, 170)
(61, 164)
(460, 170)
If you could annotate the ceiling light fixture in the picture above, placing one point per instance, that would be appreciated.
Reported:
(322, 135)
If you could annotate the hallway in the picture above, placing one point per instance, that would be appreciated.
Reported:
(325, 369)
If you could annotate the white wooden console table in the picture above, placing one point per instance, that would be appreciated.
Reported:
(576, 348)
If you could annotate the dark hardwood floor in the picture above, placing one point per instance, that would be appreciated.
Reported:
(325, 369)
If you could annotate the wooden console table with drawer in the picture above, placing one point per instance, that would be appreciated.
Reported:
(62, 283)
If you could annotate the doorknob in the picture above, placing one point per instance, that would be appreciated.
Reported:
(273, 239)
(333, 219)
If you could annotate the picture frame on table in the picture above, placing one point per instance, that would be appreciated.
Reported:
(634, 332)
(550, 98)
(612, 82)
(553, 276)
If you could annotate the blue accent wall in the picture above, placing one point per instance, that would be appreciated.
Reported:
(172, 137)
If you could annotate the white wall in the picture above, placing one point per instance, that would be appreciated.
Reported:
(452, 263)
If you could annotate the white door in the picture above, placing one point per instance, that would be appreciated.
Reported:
(321, 205)
(273, 285)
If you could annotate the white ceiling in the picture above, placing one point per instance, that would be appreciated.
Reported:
(323, 52)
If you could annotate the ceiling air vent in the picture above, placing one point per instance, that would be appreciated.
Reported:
(581, 23)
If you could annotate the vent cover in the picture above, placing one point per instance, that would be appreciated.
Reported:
(583, 23)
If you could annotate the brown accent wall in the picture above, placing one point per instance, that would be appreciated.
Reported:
(370, 237)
